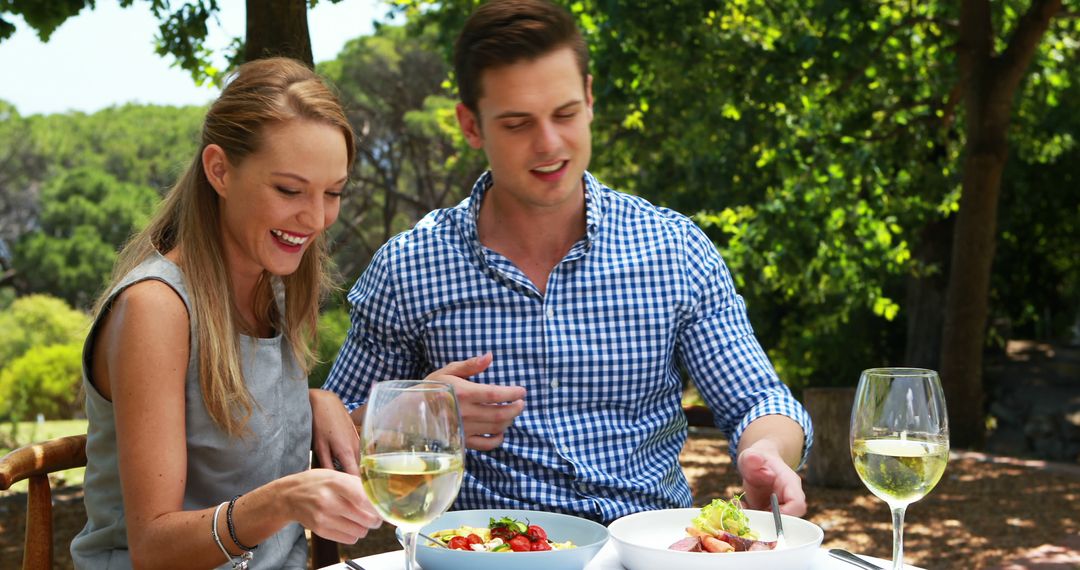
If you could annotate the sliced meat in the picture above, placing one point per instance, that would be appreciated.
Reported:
(688, 544)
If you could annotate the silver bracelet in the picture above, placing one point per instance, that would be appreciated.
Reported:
(238, 563)
(213, 532)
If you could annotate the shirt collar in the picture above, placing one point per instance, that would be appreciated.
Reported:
(594, 211)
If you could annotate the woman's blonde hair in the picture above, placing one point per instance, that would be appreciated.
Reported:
(258, 94)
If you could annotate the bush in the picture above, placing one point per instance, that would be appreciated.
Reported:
(38, 320)
(45, 380)
(333, 328)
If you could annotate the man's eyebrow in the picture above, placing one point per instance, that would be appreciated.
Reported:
(523, 114)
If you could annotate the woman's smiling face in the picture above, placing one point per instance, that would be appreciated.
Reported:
(276, 201)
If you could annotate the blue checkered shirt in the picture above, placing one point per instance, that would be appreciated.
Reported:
(641, 295)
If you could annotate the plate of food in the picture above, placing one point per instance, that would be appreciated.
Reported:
(507, 538)
(719, 536)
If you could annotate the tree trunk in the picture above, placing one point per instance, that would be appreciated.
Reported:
(967, 300)
(829, 464)
(991, 81)
(925, 304)
(278, 28)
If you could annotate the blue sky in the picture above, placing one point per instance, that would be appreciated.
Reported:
(105, 56)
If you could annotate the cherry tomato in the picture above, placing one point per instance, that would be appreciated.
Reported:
(520, 543)
(459, 543)
(474, 539)
(536, 533)
(502, 532)
(541, 545)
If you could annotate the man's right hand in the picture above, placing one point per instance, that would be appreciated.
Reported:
(486, 410)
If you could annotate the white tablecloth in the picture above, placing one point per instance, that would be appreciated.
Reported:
(607, 559)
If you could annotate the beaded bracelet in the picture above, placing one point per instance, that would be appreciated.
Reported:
(239, 563)
(232, 528)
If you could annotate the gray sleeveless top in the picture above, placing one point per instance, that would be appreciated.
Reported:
(218, 467)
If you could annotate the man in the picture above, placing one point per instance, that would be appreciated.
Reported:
(562, 311)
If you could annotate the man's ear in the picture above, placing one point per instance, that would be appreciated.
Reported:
(216, 167)
(470, 126)
(589, 95)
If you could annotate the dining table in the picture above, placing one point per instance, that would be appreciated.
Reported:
(606, 559)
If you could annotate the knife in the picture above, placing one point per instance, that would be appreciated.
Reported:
(852, 559)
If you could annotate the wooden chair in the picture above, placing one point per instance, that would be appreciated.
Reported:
(37, 460)
(34, 462)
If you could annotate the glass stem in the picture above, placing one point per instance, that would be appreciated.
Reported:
(898, 537)
(410, 550)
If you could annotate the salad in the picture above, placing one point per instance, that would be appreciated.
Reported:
(501, 535)
(721, 526)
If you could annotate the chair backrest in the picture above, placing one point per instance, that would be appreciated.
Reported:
(34, 462)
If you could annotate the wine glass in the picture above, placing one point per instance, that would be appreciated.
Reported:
(412, 454)
(899, 439)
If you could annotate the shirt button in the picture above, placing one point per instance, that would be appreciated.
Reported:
(554, 383)
(551, 312)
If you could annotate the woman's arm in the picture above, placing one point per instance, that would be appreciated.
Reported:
(141, 360)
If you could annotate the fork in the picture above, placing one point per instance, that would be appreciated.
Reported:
(780, 541)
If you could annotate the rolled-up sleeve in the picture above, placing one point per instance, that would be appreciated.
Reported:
(718, 348)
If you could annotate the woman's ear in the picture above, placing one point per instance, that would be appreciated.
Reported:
(216, 167)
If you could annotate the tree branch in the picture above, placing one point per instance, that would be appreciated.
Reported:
(1029, 32)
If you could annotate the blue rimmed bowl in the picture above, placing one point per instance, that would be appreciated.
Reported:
(588, 537)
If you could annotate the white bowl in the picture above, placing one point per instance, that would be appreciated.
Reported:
(642, 540)
(589, 537)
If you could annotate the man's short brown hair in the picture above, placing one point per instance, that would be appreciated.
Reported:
(504, 32)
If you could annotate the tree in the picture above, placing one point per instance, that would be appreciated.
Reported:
(411, 156)
(991, 75)
(143, 145)
(21, 169)
(274, 27)
(826, 146)
(86, 216)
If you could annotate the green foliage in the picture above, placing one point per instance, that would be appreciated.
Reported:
(44, 380)
(148, 145)
(182, 28)
(815, 141)
(44, 17)
(40, 357)
(73, 186)
(333, 328)
(38, 321)
(22, 166)
(86, 216)
(411, 156)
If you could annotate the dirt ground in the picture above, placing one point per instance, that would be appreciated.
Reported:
(983, 514)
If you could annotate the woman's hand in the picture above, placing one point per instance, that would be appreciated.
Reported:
(329, 503)
(333, 433)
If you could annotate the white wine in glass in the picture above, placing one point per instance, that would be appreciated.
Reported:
(899, 439)
(412, 454)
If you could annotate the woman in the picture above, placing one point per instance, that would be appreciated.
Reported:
(195, 367)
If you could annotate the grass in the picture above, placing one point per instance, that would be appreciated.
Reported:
(28, 432)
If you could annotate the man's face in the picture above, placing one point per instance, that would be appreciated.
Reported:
(533, 123)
